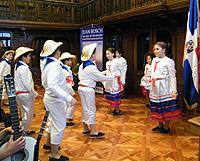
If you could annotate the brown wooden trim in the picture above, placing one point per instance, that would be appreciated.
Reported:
(37, 25)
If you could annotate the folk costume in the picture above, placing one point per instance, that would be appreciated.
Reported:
(88, 75)
(122, 66)
(70, 83)
(163, 82)
(56, 94)
(113, 88)
(5, 69)
(25, 93)
(145, 81)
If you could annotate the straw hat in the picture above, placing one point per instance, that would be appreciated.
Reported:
(7, 52)
(49, 47)
(20, 51)
(66, 55)
(87, 51)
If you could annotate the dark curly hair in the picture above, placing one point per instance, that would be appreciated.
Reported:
(151, 54)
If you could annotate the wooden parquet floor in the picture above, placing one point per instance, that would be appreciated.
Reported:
(128, 136)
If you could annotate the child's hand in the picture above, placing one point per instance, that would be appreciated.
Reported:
(5, 131)
(8, 130)
(2, 125)
(14, 146)
(174, 95)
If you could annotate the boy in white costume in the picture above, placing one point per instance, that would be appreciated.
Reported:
(5, 69)
(25, 93)
(66, 59)
(55, 97)
(88, 75)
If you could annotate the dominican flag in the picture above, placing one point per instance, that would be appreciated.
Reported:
(190, 61)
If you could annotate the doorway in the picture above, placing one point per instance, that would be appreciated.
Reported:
(143, 45)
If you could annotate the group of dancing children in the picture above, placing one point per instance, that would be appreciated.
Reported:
(159, 86)
(57, 80)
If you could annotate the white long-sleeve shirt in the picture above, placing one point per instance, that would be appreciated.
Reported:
(90, 75)
(23, 78)
(112, 68)
(163, 73)
(69, 78)
(145, 81)
(5, 68)
(68, 72)
(122, 66)
(53, 79)
(68, 75)
(164, 68)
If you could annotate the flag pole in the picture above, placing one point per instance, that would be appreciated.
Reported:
(190, 61)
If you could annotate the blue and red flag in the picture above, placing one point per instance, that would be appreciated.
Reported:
(190, 60)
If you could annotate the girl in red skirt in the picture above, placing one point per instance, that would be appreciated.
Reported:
(163, 92)
(145, 81)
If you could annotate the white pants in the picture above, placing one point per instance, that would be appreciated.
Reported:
(25, 103)
(69, 107)
(70, 110)
(4, 94)
(57, 109)
(87, 96)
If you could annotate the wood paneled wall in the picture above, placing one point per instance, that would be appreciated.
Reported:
(129, 32)
(72, 15)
